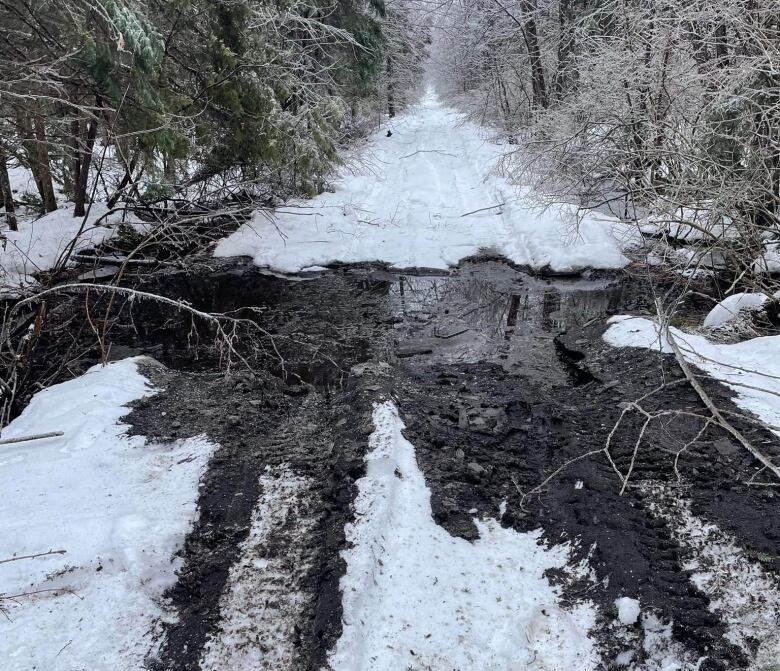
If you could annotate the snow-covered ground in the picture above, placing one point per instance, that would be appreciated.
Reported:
(751, 368)
(417, 598)
(427, 196)
(117, 506)
(39, 243)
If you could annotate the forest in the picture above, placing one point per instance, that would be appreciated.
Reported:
(125, 100)
(669, 108)
(389, 335)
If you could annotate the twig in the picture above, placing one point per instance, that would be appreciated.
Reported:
(482, 209)
(34, 556)
(428, 151)
(449, 335)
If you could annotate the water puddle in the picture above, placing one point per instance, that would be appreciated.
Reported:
(489, 311)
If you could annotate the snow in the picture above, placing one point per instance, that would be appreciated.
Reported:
(662, 652)
(769, 261)
(38, 244)
(628, 610)
(21, 180)
(751, 368)
(698, 222)
(117, 505)
(412, 203)
(416, 598)
(731, 306)
(264, 602)
(651, 646)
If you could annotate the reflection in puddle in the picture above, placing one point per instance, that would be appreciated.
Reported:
(489, 311)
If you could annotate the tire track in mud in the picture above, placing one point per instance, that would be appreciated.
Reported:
(472, 467)
(633, 551)
(313, 426)
(233, 579)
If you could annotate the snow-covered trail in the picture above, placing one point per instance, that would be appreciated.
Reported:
(417, 598)
(426, 196)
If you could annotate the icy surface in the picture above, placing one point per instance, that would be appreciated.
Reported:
(426, 197)
(416, 598)
(117, 505)
(731, 306)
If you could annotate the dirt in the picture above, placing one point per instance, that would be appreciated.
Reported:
(501, 378)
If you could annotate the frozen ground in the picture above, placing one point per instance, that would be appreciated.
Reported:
(427, 196)
(116, 506)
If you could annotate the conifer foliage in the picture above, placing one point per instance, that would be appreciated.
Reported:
(178, 95)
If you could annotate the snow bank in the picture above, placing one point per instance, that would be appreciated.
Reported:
(415, 597)
(37, 245)
(731, 306)
(697, 222)
(117, 505)
(427, 197)
(751, 368)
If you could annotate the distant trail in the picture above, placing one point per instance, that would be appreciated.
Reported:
(405, 206)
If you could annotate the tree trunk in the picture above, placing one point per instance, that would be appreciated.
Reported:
(6, 193)
(82, 161)
(721, 45)
(35, 151)
(49, 199)
(537, 67)
(564, 77)
(390, 89)
(531, 38)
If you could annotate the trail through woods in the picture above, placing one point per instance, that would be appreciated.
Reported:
(405, 470)
(426, 192)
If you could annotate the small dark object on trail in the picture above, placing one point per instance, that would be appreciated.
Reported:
(389, 133)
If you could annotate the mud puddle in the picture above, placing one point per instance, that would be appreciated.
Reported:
(501, 378)
(489, 312)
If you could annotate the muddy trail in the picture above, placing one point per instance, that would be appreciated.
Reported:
(501, 378)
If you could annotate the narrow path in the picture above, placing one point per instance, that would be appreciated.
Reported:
(363, 507)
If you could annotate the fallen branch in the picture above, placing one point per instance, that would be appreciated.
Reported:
(705, 398)
(449, 335)
(482, 209)
(35, 436)
(34, 556)
(428, 151)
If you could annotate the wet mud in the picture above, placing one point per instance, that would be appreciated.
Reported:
(501, 378)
